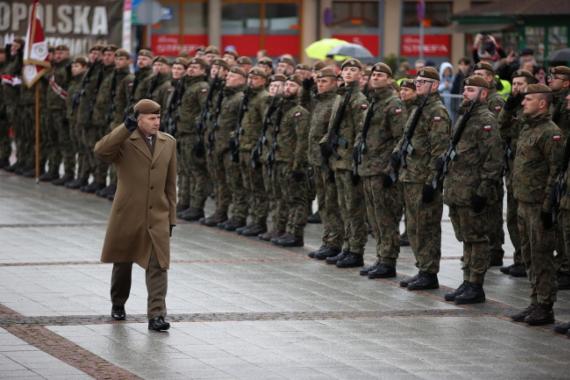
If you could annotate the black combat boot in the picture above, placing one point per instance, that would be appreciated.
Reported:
(289, 240)
(339, 256)
(254, 230)
(404, 241)
(382, 271)
(351, 260)
(407, 281)
(270, 235)
(367, 268)
(12, 168)
(31, 173)
(518, 270)
(520, 316)
(541, 315)
(4, 163)
(313, 253)
(327, 252)
(217, 217)
(473, 293)
(314, 218)
(118, 312)
(92, 187)
(76, 184)
(232, 224)
(496, 258)
(158, 324)
(425, 281)
(562, 328)
(63, 180)
(192, 214)
(451, 296)
(181, 207)
(563, 280)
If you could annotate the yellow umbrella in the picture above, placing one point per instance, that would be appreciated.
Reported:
(319, 49)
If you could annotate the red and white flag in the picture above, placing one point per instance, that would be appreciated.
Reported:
(36, 63)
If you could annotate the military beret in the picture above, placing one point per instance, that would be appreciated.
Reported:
(146, 53)
(95, 47)
(383, 68)
(408, 83)
(287, 60)
(477, 81)
(319, 65)
(147, 106)
(395, 86)
(62, 48)
(367, 71)
(351, 62)
(232, 53)
(538, 88)
(238, 70)
(220, 62)
(212, 49)
(112, 48)
(244, 60)
(180, 61)
(429, 73)
(257, 71)
(160, 59)
(302, 66)
(122, 53)
(524, 74)
(326, 72)
(561, 70)
(277, 78)
(296, 78)
(80, 60)
(484, 66)
(198, 61)
(267, 61)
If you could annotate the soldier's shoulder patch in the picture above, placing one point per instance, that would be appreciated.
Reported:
(364, 106)
(498, 107)
(297, 114)
(437, 118)
(398, 110)
(204, 90)
(556, 137)
(487, 128)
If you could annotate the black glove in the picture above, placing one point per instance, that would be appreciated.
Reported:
(547, 221)
(428, 194)
(387, 182)
(308, 83)
(131, 122)
(199, 150)
(298, 175)
(513, 101)
(171, 228)
(478, 203)
(355, 179)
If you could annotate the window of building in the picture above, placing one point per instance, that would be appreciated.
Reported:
(241, 18)
(281, 18)
(355, 14)
(437, 14)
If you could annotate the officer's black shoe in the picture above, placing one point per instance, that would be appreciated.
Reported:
(367, 268)
(351, 260)
(562, 328)
(233, 224)
(76, 184)
(425, 281)
(382, 271)
(289, 240)
(473, 293)
(451, 296)
(111, 193)
(563, 280)
(407, 281)
(314, 218)
(327, 252)
(214, 219)
(158, 324)
(192, 214)
(404, 241)
(62, 181)
(118, 313)
(4, 163)
(339, 256)
(520, 316)
(541, 315)
(102, 193)
(254, 230)
(518, 270)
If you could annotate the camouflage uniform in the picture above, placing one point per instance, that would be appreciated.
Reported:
(154, 87)
(327, 197)
(138, 92)
(5, 146)
(423, 221)
(475, 170)
(10, 99)
(539, 150)
(73, 89)
(560, 112)
(383, 204)
(25, 126)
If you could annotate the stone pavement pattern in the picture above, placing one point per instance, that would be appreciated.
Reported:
(243, 309)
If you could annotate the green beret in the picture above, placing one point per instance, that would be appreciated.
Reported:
(477, 81)
(352, 62)
(244, 60)
(220, 62)
(212, 49)
(484, 66)
(538, 88)
(181, 61)
(238, 70)
(62, 48)
(296, 78)
(524, 74)
(278, 78)
(302, 66)
(122, 53)
(319, 65)
(258, 71)
(160, 59)
(326, 72)
(561, 70)
(96, 47)
(383, 68)
(408, 83)
(267, 61)
(233, 53)
(287, 60)
(112, 48)
(81, 60)
(198, 61)
(429, 73)
(147, 106)
(146, 53)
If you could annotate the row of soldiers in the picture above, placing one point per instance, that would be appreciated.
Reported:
(262, 139)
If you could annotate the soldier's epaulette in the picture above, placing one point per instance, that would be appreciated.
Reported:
(168, 135)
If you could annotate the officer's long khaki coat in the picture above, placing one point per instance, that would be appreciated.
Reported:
(145, 202)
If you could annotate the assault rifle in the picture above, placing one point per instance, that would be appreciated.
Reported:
(173, 105)
(84, 82)
(361, 148)
(215, 115)
(111, 110)
(559, 186)
(262, 140)
(273, 149)
(199, 149)
(234, 141)
(442, 165)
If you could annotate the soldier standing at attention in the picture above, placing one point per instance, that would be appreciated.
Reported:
(539, 152)
(382, 129)
(144, 64)
(423, 203)
(345, 123)
(5, 146)
(470, 186)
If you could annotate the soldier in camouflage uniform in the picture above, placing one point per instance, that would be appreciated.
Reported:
(423, 203)
(156, 85)
(145, 70)
(510, 123)
(11, 82)
(192, 159)
(349, 187)
(5, 146)
(288, 152)
(470, 187)
(495, 216)
(321, 109)
(384, 125)
(539, 151)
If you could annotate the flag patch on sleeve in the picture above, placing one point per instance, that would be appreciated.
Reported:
(297, 114)
(487, 128)
(437, 118)
(363, 106)
(556, 138)
(398, 111)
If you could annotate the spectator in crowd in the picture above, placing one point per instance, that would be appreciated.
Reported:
(463, 70)
(446, 82)
(539, 73)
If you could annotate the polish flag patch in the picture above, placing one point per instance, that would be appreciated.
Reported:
(204, 90)
(498, 108)
(437, 118)
(398, 111)
(556, 138)
(297, 114)
(364, 107)
(487, 128)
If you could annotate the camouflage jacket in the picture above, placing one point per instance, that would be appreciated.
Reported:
(153, 87)
(170, 105)
(252, 122)
(291, 135)
(196, 90)
(59, 78)
(495, 102)
(385, 130)
(539, 151)
(137, 90)
(213, 111)
(430, 141)
(124, 91)
(477, 167)
(349, 126)
(11, 93)
(320, 117)
(72, 89)
(227, 118)
(88, 92)
(105, 105)
(510, 125)
(560, 112)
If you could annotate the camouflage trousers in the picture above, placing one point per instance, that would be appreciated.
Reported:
(495, 224)
(194, 168)
(91, 134)
(423, 222)
(5, 145)
(77, 146)
(327, 198)
(183, 180)
(235, 181)
(353, 211)
(512, 224)
(290, 199)
(255, 188)
(218, 164)
(471, 229)
(24, 127)
(384, 211)
(311, 190)
(563, 241)
(537, 246)
(59, 143)
(273, 193)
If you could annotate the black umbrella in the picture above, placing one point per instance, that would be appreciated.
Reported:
(562, 55)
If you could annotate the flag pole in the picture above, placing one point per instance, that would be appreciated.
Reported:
(37, 129)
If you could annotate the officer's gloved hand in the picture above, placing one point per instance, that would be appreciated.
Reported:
(513, 101)
(131, 122)
(387, 181)
(171, 228)
(478, 203)
(298, 175)
(308, 83)
(428, 194)
(547, 219)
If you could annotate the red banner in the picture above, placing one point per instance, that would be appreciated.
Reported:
(435, 45)
(171, 45)
(369, 41)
